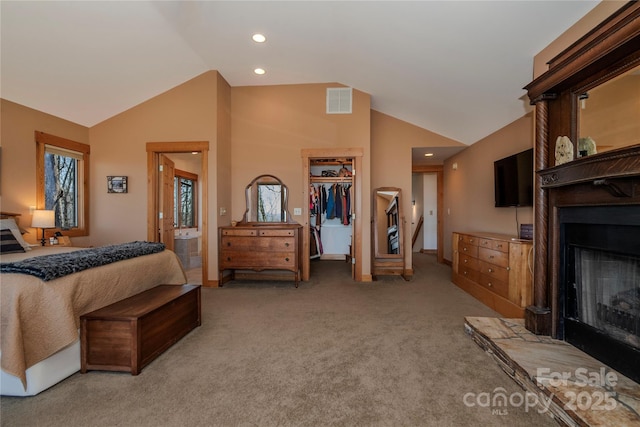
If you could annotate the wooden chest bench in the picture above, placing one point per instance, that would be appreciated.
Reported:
(129, 334)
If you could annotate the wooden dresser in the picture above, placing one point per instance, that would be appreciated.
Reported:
(260, 247)
(496, 269)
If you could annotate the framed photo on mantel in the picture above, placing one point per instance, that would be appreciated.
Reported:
(116, 184)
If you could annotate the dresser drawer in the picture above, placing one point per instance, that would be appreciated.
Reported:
(467, 249)
(494, 257)
(498, 286)
(277, 244)
(258, 260)
(495, 271)
(468, 262)
(470, 240)
(239, 232)
(501, 246)
(277, 233)
(469, 273)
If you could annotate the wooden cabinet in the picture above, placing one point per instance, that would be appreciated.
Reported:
(495, 269)
(260, 247)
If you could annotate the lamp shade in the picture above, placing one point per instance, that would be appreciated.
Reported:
(43, 219)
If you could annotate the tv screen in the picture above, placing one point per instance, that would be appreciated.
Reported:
(513, 179)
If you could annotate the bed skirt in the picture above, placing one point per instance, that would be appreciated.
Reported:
(43, 374)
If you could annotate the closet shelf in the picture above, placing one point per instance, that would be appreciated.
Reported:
(330, 179)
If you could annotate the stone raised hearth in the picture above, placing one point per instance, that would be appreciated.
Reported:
(577, 389)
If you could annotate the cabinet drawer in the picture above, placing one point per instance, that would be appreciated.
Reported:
(468, 262)
(239, 232)
(467, 249)
(495, 271)
(277, 233)
(256, 260)
(470, 240)
(494, 257)
(498, 286)
(500, 245)
(251, 244)
(469, 273)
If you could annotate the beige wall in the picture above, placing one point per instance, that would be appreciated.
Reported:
(222, 191)
(18, 171)
(270, 125)
(187, 112)
(469, 190)
(391, 143)
(595, 16)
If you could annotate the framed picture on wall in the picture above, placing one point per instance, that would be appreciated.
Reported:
(116, 184)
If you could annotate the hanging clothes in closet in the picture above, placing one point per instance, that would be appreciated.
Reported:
(330, 209)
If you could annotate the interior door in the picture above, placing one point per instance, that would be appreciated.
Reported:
(166, 217)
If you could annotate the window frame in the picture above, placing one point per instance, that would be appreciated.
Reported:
(177, 173)
(44, 139)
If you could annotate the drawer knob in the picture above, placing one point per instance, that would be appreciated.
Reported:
(286, 244)
(471, 240)
(228, 243)
(228, 258)
(464, 249)
(491, 270)
(490, 284)
(286, 259)
(465, 261)
(465, 273)
(500, 246)
(491, 257)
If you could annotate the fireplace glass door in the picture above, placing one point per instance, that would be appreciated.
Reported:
(607, 293)
(600, 287)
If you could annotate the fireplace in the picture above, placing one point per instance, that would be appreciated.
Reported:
(599, 283)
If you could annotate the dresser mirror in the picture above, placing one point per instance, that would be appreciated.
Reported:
(608, 114)
(387, 232)
(266, 198)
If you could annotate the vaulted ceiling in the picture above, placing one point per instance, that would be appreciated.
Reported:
(455, 68)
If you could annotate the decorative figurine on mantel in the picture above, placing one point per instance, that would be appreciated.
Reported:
(586, 146)
(564, 150)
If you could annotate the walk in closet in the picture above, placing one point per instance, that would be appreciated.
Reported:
(331, 234)
(330, 195)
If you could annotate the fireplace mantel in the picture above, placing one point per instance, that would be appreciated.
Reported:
(598, 168)
(608, 178)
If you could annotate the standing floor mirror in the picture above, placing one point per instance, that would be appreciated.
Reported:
(387, 233)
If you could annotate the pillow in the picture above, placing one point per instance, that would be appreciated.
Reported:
(10, 224)
(8, 242)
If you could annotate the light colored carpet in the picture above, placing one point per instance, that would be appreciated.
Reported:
(332, 352)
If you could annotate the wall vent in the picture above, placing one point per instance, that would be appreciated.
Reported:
(339, 100)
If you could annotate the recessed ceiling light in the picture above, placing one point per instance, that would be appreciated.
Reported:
(259, 71)
(428, 154)
(259, 38)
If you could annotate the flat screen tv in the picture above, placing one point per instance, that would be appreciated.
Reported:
(513, 179)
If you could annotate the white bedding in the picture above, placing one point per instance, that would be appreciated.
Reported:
(41, 319)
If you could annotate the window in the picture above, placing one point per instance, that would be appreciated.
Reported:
(62, 168)
(185, 199)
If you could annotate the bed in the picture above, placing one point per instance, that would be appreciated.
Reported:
(39, 343)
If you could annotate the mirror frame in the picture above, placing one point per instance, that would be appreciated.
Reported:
(376, 223)
(251, 191)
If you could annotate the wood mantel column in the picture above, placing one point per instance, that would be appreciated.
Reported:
(538, 315)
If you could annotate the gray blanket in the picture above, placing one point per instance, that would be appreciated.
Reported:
(49, 267)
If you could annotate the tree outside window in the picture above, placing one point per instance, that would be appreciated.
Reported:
(63, 168)
(185, 199)
(60, 184)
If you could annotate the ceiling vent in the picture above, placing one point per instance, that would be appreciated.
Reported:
(339, 100)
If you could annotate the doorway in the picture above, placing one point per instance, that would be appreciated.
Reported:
(439, 217)
(160, 227)
(310, 156)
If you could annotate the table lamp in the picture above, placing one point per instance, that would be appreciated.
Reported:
(43, 219)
